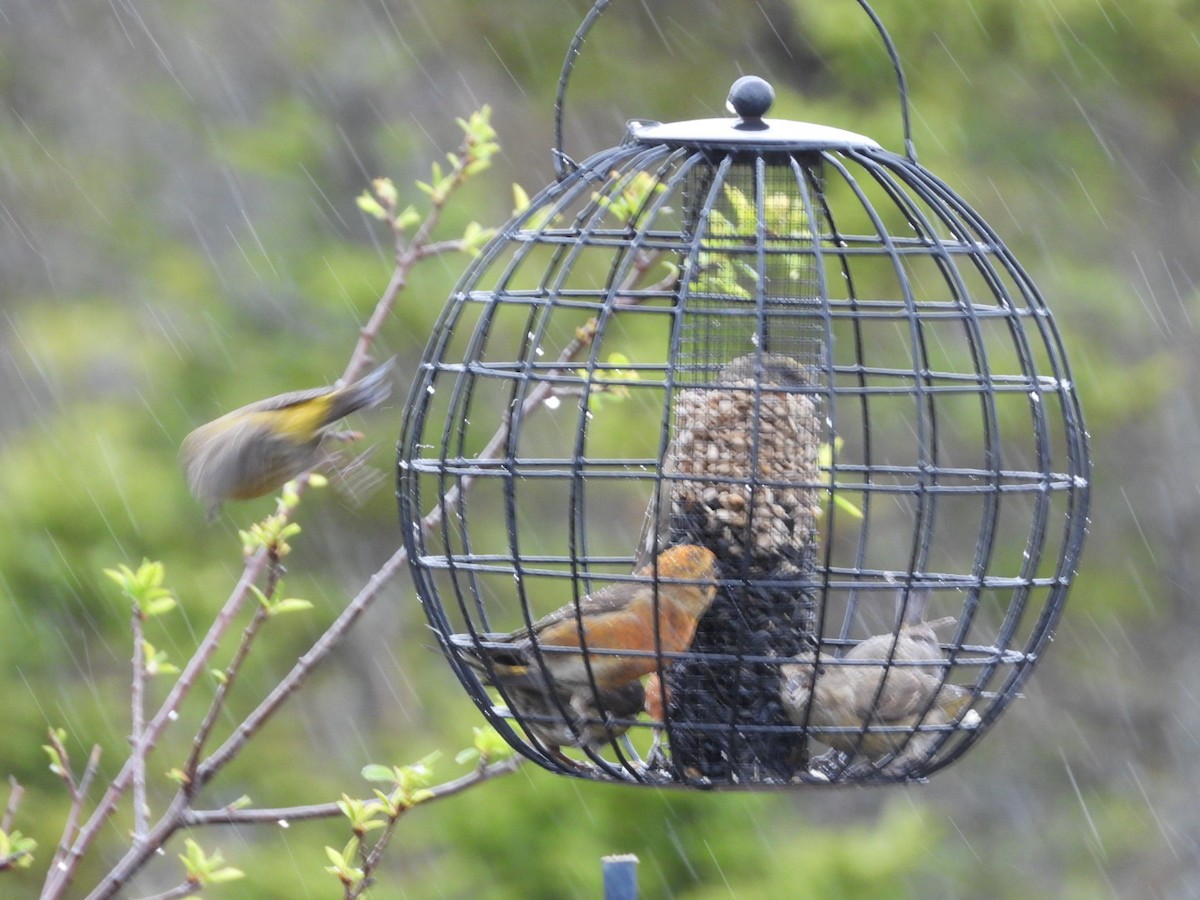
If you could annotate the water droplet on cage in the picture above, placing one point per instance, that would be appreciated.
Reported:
(538, 351)
(1035, 397)
(552, 402)
(429, 390)
(284, 823)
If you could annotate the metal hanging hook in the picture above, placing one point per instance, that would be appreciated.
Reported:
(910, 149)
(564, 165)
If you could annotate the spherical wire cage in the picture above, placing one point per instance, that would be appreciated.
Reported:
(745, 455)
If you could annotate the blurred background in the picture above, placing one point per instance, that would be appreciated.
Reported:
(178, 236)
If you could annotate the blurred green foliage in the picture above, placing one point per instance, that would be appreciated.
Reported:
(180, 236)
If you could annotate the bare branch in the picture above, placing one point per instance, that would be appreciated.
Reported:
(292, 681)
(141, 812)
(14, 800)
(231, 674)
(408, 254)
(78, 792)
(288, 814)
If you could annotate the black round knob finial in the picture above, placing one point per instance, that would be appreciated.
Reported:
(750, 97)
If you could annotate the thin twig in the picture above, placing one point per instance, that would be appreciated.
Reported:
(68, 778)
(218, 700)
(141, 812)
(15, 791)
(231, 674)
(299, 672)
(288, 814)
(78, 791)
(408, 254)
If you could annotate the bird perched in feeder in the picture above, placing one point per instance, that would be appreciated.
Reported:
(586, 719)
(590, 656)
(879, 682)
(259, 447)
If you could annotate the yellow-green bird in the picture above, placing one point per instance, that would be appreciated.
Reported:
(261, 446)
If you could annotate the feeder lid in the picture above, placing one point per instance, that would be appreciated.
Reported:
(749, 98)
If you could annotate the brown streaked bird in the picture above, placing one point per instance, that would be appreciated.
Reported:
(261, 446)
(583, 719)
(532, 666)
(866, 687)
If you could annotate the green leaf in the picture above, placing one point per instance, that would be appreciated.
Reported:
(370, 206)
(491, 746)
(520, 199)
(17, 849)
(291, 604)
(263, 600)
(846, 506)
(376, 772)
(408, 218)
(386, 191)
(205, 868)
(159, 606)
(228, 873)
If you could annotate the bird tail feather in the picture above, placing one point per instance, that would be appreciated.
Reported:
(368, 391)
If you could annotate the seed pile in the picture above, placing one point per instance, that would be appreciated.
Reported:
(749, 461)
(743, 479)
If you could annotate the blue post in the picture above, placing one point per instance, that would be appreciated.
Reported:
(620, 877)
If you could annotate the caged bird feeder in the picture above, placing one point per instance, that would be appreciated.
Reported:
(832, 403)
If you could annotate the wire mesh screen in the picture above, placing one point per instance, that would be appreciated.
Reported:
(744, 467)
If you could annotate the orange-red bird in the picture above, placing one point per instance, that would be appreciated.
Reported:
(575, 653)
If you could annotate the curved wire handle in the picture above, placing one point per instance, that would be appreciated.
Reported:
(564, 165)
